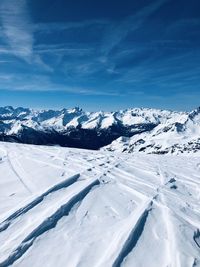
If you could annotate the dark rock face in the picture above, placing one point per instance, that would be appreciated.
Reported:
(75, 137)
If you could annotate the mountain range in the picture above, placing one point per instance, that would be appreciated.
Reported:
(131, 130)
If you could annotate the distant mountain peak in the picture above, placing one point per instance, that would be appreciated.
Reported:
(141, 129)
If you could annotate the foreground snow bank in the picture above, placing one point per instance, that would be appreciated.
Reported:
(70, 207)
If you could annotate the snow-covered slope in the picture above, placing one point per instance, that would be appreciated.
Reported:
(180, 134)
(69, 207)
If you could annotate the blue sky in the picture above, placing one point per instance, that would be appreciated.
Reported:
(97, 54)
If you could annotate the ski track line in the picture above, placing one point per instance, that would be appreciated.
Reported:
(7, 222)
(63, 160)
(133, 237)
(180, 200)
(131, 190)
(48, 224)
(46, 152)
(69, 181)
(134, 178)
(137, 229)
(184, 177)
(4, 151)
(17, 174)
(134, 185)
(146, 169)
(126, 239)
(45, 163)
(172, 249)
(12, 237)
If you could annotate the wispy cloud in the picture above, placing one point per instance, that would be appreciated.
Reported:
(64, 48)
(177, 73)
(16, 25)
(43, 83)
(93, 56)
(18, 32)
(50, 27)
(117, 32)
(183, 24)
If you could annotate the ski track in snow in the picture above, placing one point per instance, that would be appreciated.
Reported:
(5, 224)
(71, 207)
(14, 165)
(172, 251)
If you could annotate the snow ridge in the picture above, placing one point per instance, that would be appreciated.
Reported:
(48, 224)
(5, 224)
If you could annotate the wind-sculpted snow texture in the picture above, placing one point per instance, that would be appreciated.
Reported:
(70, 207)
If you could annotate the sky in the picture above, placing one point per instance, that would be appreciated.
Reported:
(100, 54)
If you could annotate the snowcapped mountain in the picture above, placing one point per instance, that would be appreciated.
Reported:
(176, 135)
(138, 129)
(67, 118)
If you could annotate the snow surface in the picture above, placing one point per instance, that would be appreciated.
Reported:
(69, 207)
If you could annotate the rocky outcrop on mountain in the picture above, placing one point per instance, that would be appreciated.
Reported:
(180, 135)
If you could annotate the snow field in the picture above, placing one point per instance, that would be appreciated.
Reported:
(70, 207)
